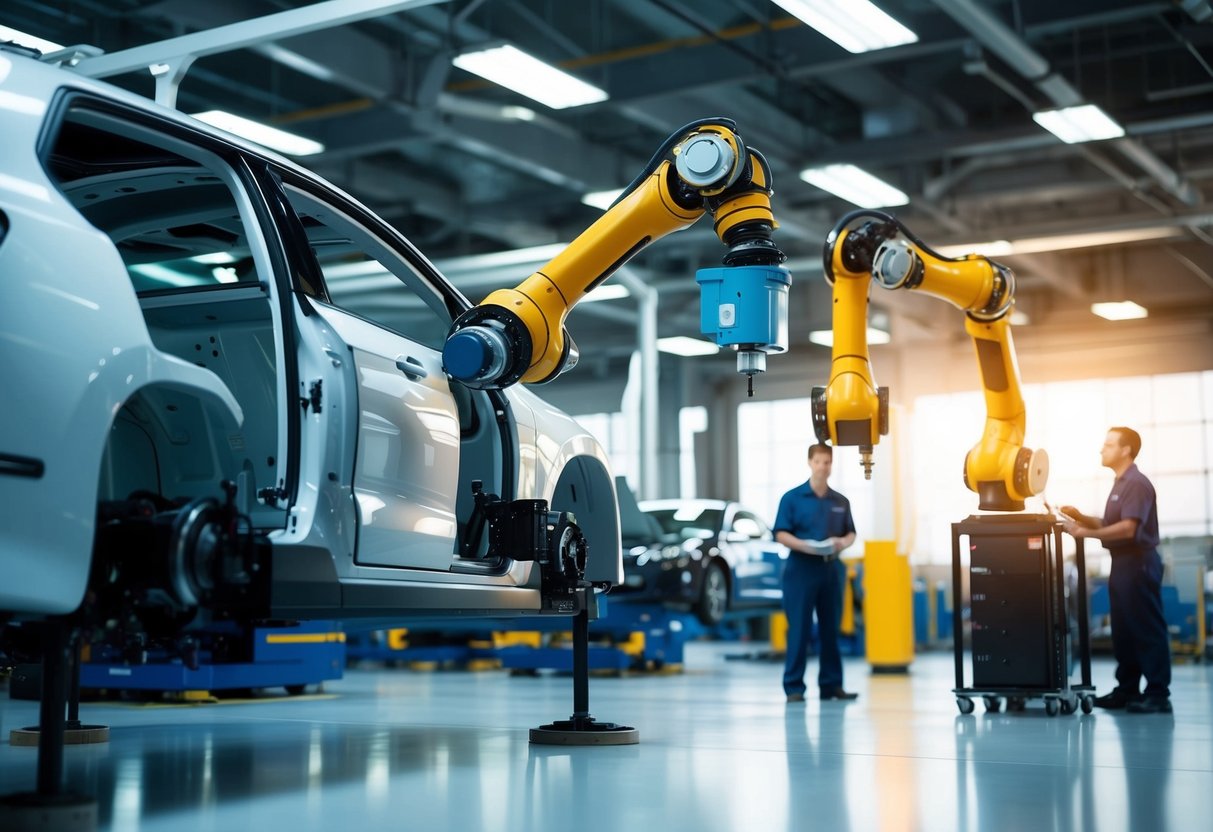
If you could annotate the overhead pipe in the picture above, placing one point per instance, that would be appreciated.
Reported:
(1011, 48)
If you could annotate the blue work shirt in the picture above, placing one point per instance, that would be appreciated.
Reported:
(809, 517)
(1133, 497)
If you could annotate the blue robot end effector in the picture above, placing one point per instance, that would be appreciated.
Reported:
(746, 308)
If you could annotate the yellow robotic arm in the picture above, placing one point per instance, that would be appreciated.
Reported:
(519, 334)
(851, 410)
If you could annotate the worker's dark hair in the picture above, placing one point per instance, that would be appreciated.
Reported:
(820, 448)
(1130, 439)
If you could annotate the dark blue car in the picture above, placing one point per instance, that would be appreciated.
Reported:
(710, 556)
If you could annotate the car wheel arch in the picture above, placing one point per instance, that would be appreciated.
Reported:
(586, 489)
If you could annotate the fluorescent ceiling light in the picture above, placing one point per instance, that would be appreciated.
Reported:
(993, 248)
(855, 25)
(1123, 310)
(163, 274)
(682, 345)
(517, 113)
(854, 185)
(1086, 123)
(601, 199)
(1032, 245)
(262, 134)
(607, 291)
(1060, 242)
(825, 337)
(218, 258)
(41, 44)
(527, 75)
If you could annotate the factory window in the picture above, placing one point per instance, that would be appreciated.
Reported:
(1173, 413)
(692, 422)
(620, 439)
(773, 440)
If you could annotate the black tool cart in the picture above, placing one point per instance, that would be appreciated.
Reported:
(1020, 628)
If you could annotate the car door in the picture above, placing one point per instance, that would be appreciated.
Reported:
(393, 323)
(758, 569)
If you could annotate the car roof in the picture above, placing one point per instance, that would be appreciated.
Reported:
(26, 70)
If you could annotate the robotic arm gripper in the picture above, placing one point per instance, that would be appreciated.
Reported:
(519, 334)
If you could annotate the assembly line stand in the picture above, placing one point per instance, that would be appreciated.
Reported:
(50, 808)
(581, 728)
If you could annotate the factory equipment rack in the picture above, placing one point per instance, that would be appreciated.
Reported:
(1020, 627)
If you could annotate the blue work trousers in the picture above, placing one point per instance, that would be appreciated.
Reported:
(1140, 639)
(811, 584)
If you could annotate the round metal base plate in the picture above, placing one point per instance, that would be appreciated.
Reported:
(584, 732)
(84, 735)
(31, 812)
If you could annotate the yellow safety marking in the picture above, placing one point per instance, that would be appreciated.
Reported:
(525, 638)
(397, 639)
(304, 638)
(634, 646)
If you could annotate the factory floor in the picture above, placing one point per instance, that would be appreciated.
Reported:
(719, 750)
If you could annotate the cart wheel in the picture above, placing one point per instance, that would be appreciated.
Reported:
(965, 704)
(1016, 703)
(1088, 704)
(1069, 706)
(993, 704)
(1052, 707)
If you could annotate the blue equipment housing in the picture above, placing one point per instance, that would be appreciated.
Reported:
(745, 306)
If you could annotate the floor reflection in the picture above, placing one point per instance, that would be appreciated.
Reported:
(165, 768)
(1036, 769)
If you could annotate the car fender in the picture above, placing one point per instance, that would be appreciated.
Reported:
(571, 471)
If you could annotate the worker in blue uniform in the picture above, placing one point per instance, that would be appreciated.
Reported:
(814, 521)
(1129, 530)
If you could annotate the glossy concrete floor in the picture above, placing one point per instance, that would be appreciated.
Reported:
(719, 750)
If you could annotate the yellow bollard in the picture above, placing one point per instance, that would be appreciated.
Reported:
(779, 632)
(888, 614)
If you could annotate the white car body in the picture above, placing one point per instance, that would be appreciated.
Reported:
(172, 388)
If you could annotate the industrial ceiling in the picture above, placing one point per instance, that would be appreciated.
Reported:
(466, 168)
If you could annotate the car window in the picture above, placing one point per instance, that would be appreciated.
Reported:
(750, 526)
(365, 276)
(688, 522)
(174, 220)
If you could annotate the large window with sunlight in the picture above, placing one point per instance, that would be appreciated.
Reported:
(1173, 414)
(773, 440)
(620, 438)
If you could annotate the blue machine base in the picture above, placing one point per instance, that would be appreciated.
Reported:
(306, 654)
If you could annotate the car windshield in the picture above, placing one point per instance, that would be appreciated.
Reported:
(688, 522)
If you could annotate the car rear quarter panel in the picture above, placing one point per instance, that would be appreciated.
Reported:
(75, 347)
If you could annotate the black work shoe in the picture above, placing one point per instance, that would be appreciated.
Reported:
(795, 697)
(1115, 701)
(1150, 705)
(837, 693)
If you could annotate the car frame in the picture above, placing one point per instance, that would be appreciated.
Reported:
(349, 456)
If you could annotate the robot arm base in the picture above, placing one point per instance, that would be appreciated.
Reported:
(993, 496)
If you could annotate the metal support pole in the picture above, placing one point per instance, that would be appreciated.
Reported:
(73, 690)
(957, 623)
(646, 343)
(581, 667)
(55, 663)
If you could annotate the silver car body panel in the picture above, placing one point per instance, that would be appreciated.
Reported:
(76, 347)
